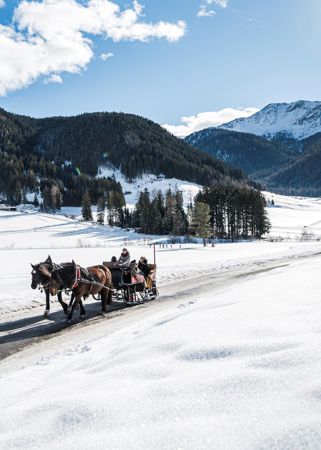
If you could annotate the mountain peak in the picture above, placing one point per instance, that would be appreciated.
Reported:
(297, 120)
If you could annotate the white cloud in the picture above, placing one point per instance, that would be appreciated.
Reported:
(222, 3)
(2, 4)
(105, 56)
(54, 78)
(205, 12)
(205, 8)
(208, 119)
(49, 37)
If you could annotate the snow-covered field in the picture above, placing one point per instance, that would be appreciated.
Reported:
(232, 366)
(292, 216)
(28, 237)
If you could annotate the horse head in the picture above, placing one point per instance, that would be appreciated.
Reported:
(34, 276)
(41, 273)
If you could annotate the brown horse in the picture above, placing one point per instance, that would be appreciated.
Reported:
(41, 274)
(83, 283)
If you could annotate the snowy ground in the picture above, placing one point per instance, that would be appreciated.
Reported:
(153, 183)
(235, 366)
(291, 216)
(235, 370)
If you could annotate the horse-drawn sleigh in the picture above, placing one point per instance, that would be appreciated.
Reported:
(130, 286)
(107, 282)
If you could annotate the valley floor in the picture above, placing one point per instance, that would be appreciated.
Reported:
(228, 358)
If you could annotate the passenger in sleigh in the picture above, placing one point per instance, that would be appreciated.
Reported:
(143, 266)
(124, 259)
(137, 276)
(114, 261)
(149, 273)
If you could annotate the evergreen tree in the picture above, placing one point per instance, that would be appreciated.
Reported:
(101, 204)
(115, 205)
(200, 225)
(86, 207)
(36, 201)
(144, 212)
(46, 198)
(180, 222)
(158, 213)
(169, 212)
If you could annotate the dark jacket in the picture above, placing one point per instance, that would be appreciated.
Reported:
(143, 267)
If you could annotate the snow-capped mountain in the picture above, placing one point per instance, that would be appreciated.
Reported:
(297, 120)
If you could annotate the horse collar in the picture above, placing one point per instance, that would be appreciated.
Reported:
(77, 278)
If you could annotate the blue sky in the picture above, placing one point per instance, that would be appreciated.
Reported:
(249, 53)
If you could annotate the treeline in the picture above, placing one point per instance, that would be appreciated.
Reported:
(56, 185)
(222, 212)
(72, 189)
(235, 213)
(159, 214)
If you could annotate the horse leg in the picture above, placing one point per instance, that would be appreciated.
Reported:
(109, 296)
(71, 302)
(74, 305)
(104, 301)
(63, 304)
(47, 310)
(82, 310)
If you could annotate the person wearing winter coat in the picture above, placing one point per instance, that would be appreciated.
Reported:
(143, 266)
(114, 261)
(124, 259)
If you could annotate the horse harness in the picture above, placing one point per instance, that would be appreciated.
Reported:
(79, 279)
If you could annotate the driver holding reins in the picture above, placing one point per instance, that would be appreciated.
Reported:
(124, 259)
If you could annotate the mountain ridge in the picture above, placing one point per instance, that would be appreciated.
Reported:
(284, 159)
(245, 151)
(298, 120)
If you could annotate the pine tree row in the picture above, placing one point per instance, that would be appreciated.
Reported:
(219, 212)
(235, 213)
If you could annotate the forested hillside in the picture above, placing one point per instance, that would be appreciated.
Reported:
(67, 151)
(303, 175)
(134, 144)
(284, 165)
(255, 155)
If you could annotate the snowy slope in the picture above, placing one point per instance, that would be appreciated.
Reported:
(152, 182)
(297, 120)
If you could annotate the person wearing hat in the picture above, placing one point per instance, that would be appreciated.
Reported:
(124, 259)
(114, 261)
(143, 266)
